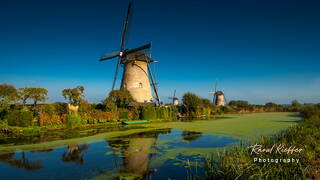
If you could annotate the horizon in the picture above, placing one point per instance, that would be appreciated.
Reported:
(257, 51)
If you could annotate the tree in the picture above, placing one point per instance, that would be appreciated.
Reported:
(271, 104)
(239, 103)
(206, 102)
(74, 95)
(8, 94)
(121, 98)
(295, 103)
(37, 95)
(191, 102)
(24, 94)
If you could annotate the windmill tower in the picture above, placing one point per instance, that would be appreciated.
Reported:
(218, 97)
(175, 100)
(137, 72)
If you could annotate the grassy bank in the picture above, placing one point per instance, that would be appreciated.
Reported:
(238, 162)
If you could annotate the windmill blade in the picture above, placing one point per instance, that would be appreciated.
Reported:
(110, 55)
(125, 29)
(122, 44)
(116, 73)
(154, 86)
(146, 46)
(215, 86)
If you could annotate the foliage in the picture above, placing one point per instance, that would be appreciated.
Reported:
(311, 114)
(73, 120)
(24, 94)
(164, 113)
(123, 114)
(239, 103)
(51, 120)
(206, 102)
(134, 114)
(237, 162)
(110, 106)
(96, 116)
(121, 98)
(60, 108)
(37, 94)
(148, 113)
(8, 94)
(74, 95)
(295, 103)
(191, 102)
(19, 118)
(270, 104)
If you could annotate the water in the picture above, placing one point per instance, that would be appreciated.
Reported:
(156, 154)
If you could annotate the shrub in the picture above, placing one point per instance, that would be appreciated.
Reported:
(97, 116)
(46, 119)
(73, 120)
(60, 108)
(19, 118)
(121, 98)
(311, 114)
(164, 113)
(123, 114)
(148, 112)
(191, 102)
(134, 114)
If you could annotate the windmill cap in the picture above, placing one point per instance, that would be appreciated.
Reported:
(139, 56)
(219, 93)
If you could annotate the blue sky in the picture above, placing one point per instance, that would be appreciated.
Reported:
(258, 51)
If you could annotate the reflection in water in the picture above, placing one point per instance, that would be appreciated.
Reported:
(136, 151)
(74, 154)
(190, 135)
(20, 163)
(157, 154)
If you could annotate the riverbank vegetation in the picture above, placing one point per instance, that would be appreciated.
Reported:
(238, 162)
(25, 109)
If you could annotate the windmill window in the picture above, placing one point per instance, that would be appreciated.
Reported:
(140, 85)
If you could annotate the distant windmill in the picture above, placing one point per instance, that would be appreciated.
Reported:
(218, 97)
(175, 100)
(137, 70)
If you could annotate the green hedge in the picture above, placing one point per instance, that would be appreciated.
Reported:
(19, 118)
(148, 113)
(74, 120)
(124, 114)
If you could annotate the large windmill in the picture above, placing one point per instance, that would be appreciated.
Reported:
(137, 71)
(175, 100)
(219, 98)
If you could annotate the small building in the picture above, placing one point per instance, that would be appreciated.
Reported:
(219, 98)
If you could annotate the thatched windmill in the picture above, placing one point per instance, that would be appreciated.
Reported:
(137, 72)
(175, 100)
(219, 98)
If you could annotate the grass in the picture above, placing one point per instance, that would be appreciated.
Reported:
(237, 163)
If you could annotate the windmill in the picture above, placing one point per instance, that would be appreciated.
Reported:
(175, 100)
(218, 97)
(137, 72)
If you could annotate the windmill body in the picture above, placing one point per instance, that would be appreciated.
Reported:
(136, 78)
(175, 100)
(219, 98)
